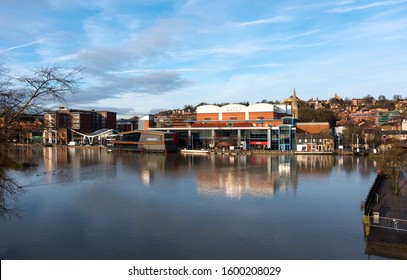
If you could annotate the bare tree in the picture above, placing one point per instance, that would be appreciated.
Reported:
(30, 93)
(391, 162)
(27, 94)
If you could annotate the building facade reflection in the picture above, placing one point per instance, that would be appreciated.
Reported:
(259, 175)
(238, 176)
(233, 176)
(76, 163)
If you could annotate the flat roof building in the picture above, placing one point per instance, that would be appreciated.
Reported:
(239, 126)
(238, 112)
(147, 141)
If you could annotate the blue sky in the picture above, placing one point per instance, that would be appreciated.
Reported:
(143, 56)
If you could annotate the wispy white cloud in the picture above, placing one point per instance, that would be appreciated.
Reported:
(346, 8)
(278, 19)
(143, 71)
(21, 46)
(238, 49)
(267, 65)
(303, 34)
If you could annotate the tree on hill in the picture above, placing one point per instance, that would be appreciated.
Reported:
(269, 101)
(368, 99)
(201, 104)
(383, 102)
(397, 97)
(308, 114)
(381, 98)
(336, 101)
(189, 108)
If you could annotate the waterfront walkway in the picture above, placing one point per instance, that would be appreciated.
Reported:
(391, 205)
(388, 232)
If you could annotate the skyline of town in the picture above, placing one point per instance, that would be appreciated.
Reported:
(311, 101)
(181, 107)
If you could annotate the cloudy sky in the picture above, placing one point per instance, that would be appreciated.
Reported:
(143, 56)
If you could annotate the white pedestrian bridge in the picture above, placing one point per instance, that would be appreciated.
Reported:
(101, 134)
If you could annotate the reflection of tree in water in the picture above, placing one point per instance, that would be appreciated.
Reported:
(314, 164)
(9, 192)
(9, 189)
(349, 164)
(364, 165)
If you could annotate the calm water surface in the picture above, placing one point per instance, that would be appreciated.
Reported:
(91, 204)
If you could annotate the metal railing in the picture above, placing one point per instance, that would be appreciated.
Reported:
(372, 198)
(388, 223)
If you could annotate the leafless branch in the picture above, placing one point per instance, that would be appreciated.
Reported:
(22, 95)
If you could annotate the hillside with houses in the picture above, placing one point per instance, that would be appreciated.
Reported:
(335, 124)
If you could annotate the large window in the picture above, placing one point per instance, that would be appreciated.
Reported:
(274, 144)
(288, 121)
(205, 134)
(258, 135)
(132, 137)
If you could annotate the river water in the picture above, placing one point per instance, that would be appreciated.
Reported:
(85, 203)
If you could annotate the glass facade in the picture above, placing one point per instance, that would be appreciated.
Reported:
(278, 138)
(283, 137)
(275, 139)
(384, 117)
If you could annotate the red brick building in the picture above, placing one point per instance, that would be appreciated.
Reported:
(260, 114)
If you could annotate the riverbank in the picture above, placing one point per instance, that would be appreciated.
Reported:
(385, 219)
(272, 152)
(192, 151)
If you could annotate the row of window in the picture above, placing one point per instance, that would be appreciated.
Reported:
(313, 140)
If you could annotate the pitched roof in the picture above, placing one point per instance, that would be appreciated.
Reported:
(312, 128)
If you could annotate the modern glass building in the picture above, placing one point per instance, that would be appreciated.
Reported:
(384, 117)
(258, 126)
(283, 137)
(280, 137)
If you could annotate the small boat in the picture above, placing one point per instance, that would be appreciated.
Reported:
(185, 151)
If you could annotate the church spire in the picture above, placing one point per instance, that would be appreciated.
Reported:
(294, 106)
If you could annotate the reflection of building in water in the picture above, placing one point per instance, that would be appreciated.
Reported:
(286, 169)
(145, 165)
(314, 165)
(146, 176)
(54, 157)
(24, 152)
(260, 176)
(77, 161)
(235, 184)
(148, 165)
